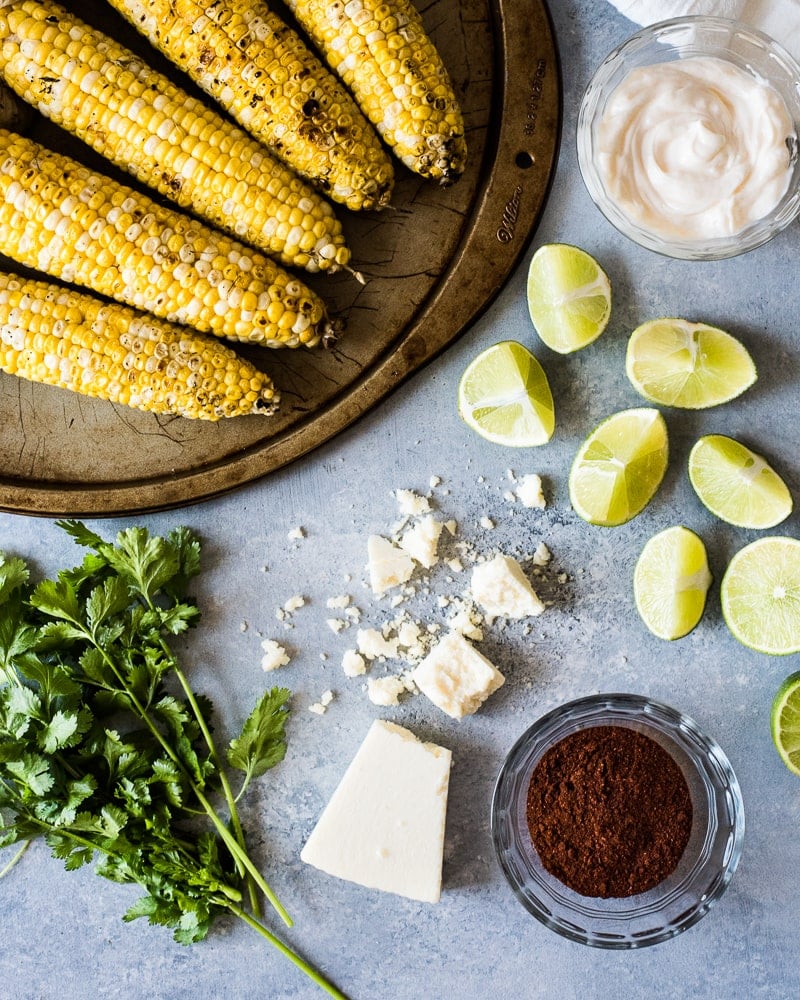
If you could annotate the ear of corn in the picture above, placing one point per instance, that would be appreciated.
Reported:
(137, 118)
(260, 70)
(59, 217)
(381, 51)
(64, 338)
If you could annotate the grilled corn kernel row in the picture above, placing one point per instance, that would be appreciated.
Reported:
(64, 338)
(59, 217)
(381, 51)
(260, 70)
(134, 116)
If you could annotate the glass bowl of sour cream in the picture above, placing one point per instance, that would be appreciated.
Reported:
(688, 138)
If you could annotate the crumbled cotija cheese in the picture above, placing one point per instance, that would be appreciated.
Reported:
(372, 643)
(296, 533)
(542, 556)
(411, 504)
(293, 604)
(274, 655)
(389, 566)
(529, 491)
(422, 540)
(456, 677)
(385, 690)
(502, 589)
(353, 663)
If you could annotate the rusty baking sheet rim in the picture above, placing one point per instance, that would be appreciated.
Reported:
(521, 155)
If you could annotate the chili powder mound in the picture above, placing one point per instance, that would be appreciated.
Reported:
(609, 812)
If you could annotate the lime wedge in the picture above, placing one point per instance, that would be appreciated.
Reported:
(785, 722)
(760, 595)
(736, 484)
(504, 395)
(619, 467)
(569, 297)
(671, 581)
(691, 365)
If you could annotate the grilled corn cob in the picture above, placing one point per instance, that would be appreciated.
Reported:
(64, 338)
(134, 116)
(381, 51)
(261, 71)
(59, 217)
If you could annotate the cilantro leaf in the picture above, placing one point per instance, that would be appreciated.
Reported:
(262, 742)
(13, 576)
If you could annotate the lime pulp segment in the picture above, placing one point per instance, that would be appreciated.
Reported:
(671, 582)
(504, 395)
(760, 595)
(736, 484)
(569, 297)
(690, 365)
(619, 467)
(785, 722)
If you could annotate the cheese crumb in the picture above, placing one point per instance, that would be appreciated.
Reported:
(385, 690)
(274, 655)
(542, 555)
(411, 504)
(318, 708)
(389, 566)
(421, 541)
(293, 604)
(335, 624)
(502, 589)
(353, 663)
(529, 491)
(456, 677)
(296, 533)
(338, 602)
(372, 643)
(487, 523)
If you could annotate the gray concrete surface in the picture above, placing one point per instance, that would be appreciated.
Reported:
(62, 936)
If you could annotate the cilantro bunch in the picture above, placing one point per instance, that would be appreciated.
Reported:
(106, 752)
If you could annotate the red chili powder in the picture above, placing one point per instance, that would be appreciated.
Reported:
(609, 812)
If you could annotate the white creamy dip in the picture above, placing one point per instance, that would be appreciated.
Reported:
(695, 149)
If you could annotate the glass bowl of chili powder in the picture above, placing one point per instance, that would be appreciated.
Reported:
(617, 822)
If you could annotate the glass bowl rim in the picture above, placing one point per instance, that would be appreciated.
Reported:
(751, 237)
(678, 719)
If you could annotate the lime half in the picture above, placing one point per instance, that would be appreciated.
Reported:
(690, 365)
(736, 484)
(619, 467)
(671, 581)
(569, 297)
(504, 395)
(785, 722)
(760, 595)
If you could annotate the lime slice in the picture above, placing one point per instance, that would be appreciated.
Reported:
(569, 297)
(691, 365)
(736, 484)
(504, 395)
(760, 595)
(671, 581)
(785, 722)
(619, 467)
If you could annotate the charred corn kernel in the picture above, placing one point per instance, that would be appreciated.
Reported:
(383, 54)
(246, 58)
(64, 338)
(76, 76)
(170, 264)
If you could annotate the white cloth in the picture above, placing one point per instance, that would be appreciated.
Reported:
(778, 18)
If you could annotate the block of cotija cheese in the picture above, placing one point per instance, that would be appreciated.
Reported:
(384, 825)
(456, 676)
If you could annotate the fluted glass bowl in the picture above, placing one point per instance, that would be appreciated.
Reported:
(707, 864)
(671, 40)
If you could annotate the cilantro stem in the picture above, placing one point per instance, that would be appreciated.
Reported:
(238, 852)
(226, 788)
(287, 952)
(17, 855)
